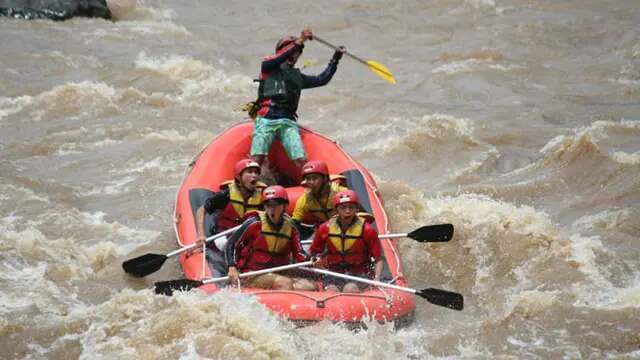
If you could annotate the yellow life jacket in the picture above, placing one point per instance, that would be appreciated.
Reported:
(233, 213)
(347, 250)
(323, 210)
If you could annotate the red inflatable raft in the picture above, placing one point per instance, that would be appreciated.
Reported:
(214, 165)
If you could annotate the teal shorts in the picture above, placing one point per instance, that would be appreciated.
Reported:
(286, 130)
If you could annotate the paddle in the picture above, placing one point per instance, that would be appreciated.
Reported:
(146, 264)
(168, 287)
(428, 233)
(376, 67)
(439, 297)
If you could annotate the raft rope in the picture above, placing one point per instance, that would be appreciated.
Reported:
(204, 259)
(387, 297)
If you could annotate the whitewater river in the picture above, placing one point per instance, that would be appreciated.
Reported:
(518, 122)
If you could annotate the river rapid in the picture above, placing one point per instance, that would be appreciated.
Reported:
(518, 122)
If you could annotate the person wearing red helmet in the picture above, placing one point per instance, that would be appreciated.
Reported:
(267, 239)
(316, 206)
(229, 205)
(279, 94)
(348, 244)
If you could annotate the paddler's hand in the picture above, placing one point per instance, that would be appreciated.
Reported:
(319, 262)
(234, 276)
(197, 245)
(201, 240)
(305, 34)
(339, 52)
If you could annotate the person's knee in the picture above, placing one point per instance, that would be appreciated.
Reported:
(303, 284)
(283, 283)
(351, 288)
(331, 288)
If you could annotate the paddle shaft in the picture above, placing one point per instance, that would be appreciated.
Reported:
(260, 272)
(383, 236)
(212, 237)
(362, 280)
(336, 48)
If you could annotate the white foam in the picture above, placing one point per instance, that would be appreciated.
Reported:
(626, 158)
(470, 65)
(583, 253)
(113, 187)
(607, 220)
(160, 164)
(437, 126)
(480, 4)
(22, 193)
(195, 136)
(197, 80)
(10, 106)
(597, 136)
(457, 67)
(553, 144)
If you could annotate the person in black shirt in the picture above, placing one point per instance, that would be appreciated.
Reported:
(279, 94)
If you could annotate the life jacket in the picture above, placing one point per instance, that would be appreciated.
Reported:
(323, 211)
(237, 207)
(281, 88)
(271, 248)
(347, 251)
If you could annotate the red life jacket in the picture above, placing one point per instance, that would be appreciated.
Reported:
(347, 251)
(237, 207)
(270, 248)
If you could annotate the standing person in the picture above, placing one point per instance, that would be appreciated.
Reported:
(316, 205)
(279, 94)
(267, 239)
(347, 244)
(229, 206)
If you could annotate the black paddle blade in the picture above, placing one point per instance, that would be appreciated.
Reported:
(168, 287)
(144, 265)
(432, 233)
(444, 298)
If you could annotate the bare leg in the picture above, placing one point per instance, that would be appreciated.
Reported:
(331, 288)
(282, 283)
(351, 288)
(303, 284)
(300, 162)
(259, 158)
(267, 175)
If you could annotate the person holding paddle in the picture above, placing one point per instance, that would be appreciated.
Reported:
(267, 239)
(229, 205)
(346, 244)
(279, 94)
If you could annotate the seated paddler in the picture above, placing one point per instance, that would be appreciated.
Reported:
(348, 243)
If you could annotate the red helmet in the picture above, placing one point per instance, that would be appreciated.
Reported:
(275, 192)
(315, 167)
(346, 197)
(243, 165)
(284, 41)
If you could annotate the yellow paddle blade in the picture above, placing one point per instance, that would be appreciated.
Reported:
(381, 70)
